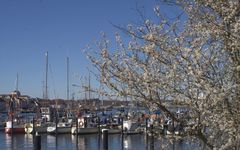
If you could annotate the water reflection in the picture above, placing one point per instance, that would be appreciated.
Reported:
(81, 143)
(126, 144)
(17, 141)
(94, 142)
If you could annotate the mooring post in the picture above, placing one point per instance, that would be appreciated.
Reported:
(174, 144)
(151, 129)
(152, 142)
(105, 139)
(37, 142)
(76, 133)
(99, 133)
(77, 126)
(122, 124)
(146, 132)
(146, 123)
(146, 141)
(56, 122)
(85, 122)
(33, 121)
(122, 133)
(98, 123)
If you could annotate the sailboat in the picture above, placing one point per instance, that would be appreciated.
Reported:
(13, 127)
(61, 126)
(15, 124)
(41, 126)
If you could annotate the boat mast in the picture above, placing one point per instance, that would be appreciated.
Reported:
(17, 83)
(46, 77)
(68, 106)
(67, 78)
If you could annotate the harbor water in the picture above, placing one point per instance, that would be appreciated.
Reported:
(94, 142)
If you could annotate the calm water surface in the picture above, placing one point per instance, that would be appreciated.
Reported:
(94, 142)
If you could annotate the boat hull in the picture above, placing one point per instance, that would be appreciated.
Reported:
(113, 131)
(131, 127)
(92, 130)
(29, 130)
(15, 130)
(60, 130)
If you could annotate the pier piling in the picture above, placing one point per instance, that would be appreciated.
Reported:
(37, 142)
(152, 143)
(151, 137)
(105, 139)
(151, 129)
(122, 124)
(85, 122)
(77, 127)
(56, 123)
(33, 122)
(122, 132)
(146, 123)
(98, 122)
(76, 132)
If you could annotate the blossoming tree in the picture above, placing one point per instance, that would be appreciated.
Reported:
(193, 61)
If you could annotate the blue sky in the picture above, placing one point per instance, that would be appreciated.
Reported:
(29, 28)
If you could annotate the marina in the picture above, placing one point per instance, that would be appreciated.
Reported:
(84, 127)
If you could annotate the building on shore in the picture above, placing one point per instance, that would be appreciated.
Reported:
(21, 102)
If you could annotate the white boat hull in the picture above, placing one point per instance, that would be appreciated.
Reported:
(130, 127)
(60, 130)
(113, 131)
(92, 130)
